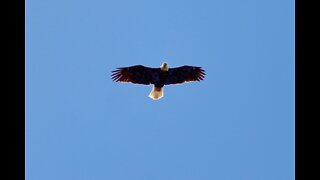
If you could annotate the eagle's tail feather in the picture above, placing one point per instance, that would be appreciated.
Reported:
(156, 93)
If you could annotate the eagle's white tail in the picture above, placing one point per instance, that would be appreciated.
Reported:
(156, 93)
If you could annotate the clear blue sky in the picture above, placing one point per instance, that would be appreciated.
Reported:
(237, 124)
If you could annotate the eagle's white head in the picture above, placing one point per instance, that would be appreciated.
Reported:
(164, 67)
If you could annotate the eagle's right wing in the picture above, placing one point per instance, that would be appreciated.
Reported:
(183, 74)
(136, 74)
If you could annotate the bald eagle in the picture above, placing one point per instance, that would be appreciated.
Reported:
(158, 76)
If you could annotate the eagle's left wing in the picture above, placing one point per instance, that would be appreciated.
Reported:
(184, 74)
(136, 74)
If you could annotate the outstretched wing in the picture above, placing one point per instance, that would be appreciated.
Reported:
(185, 74)
(136, 74)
